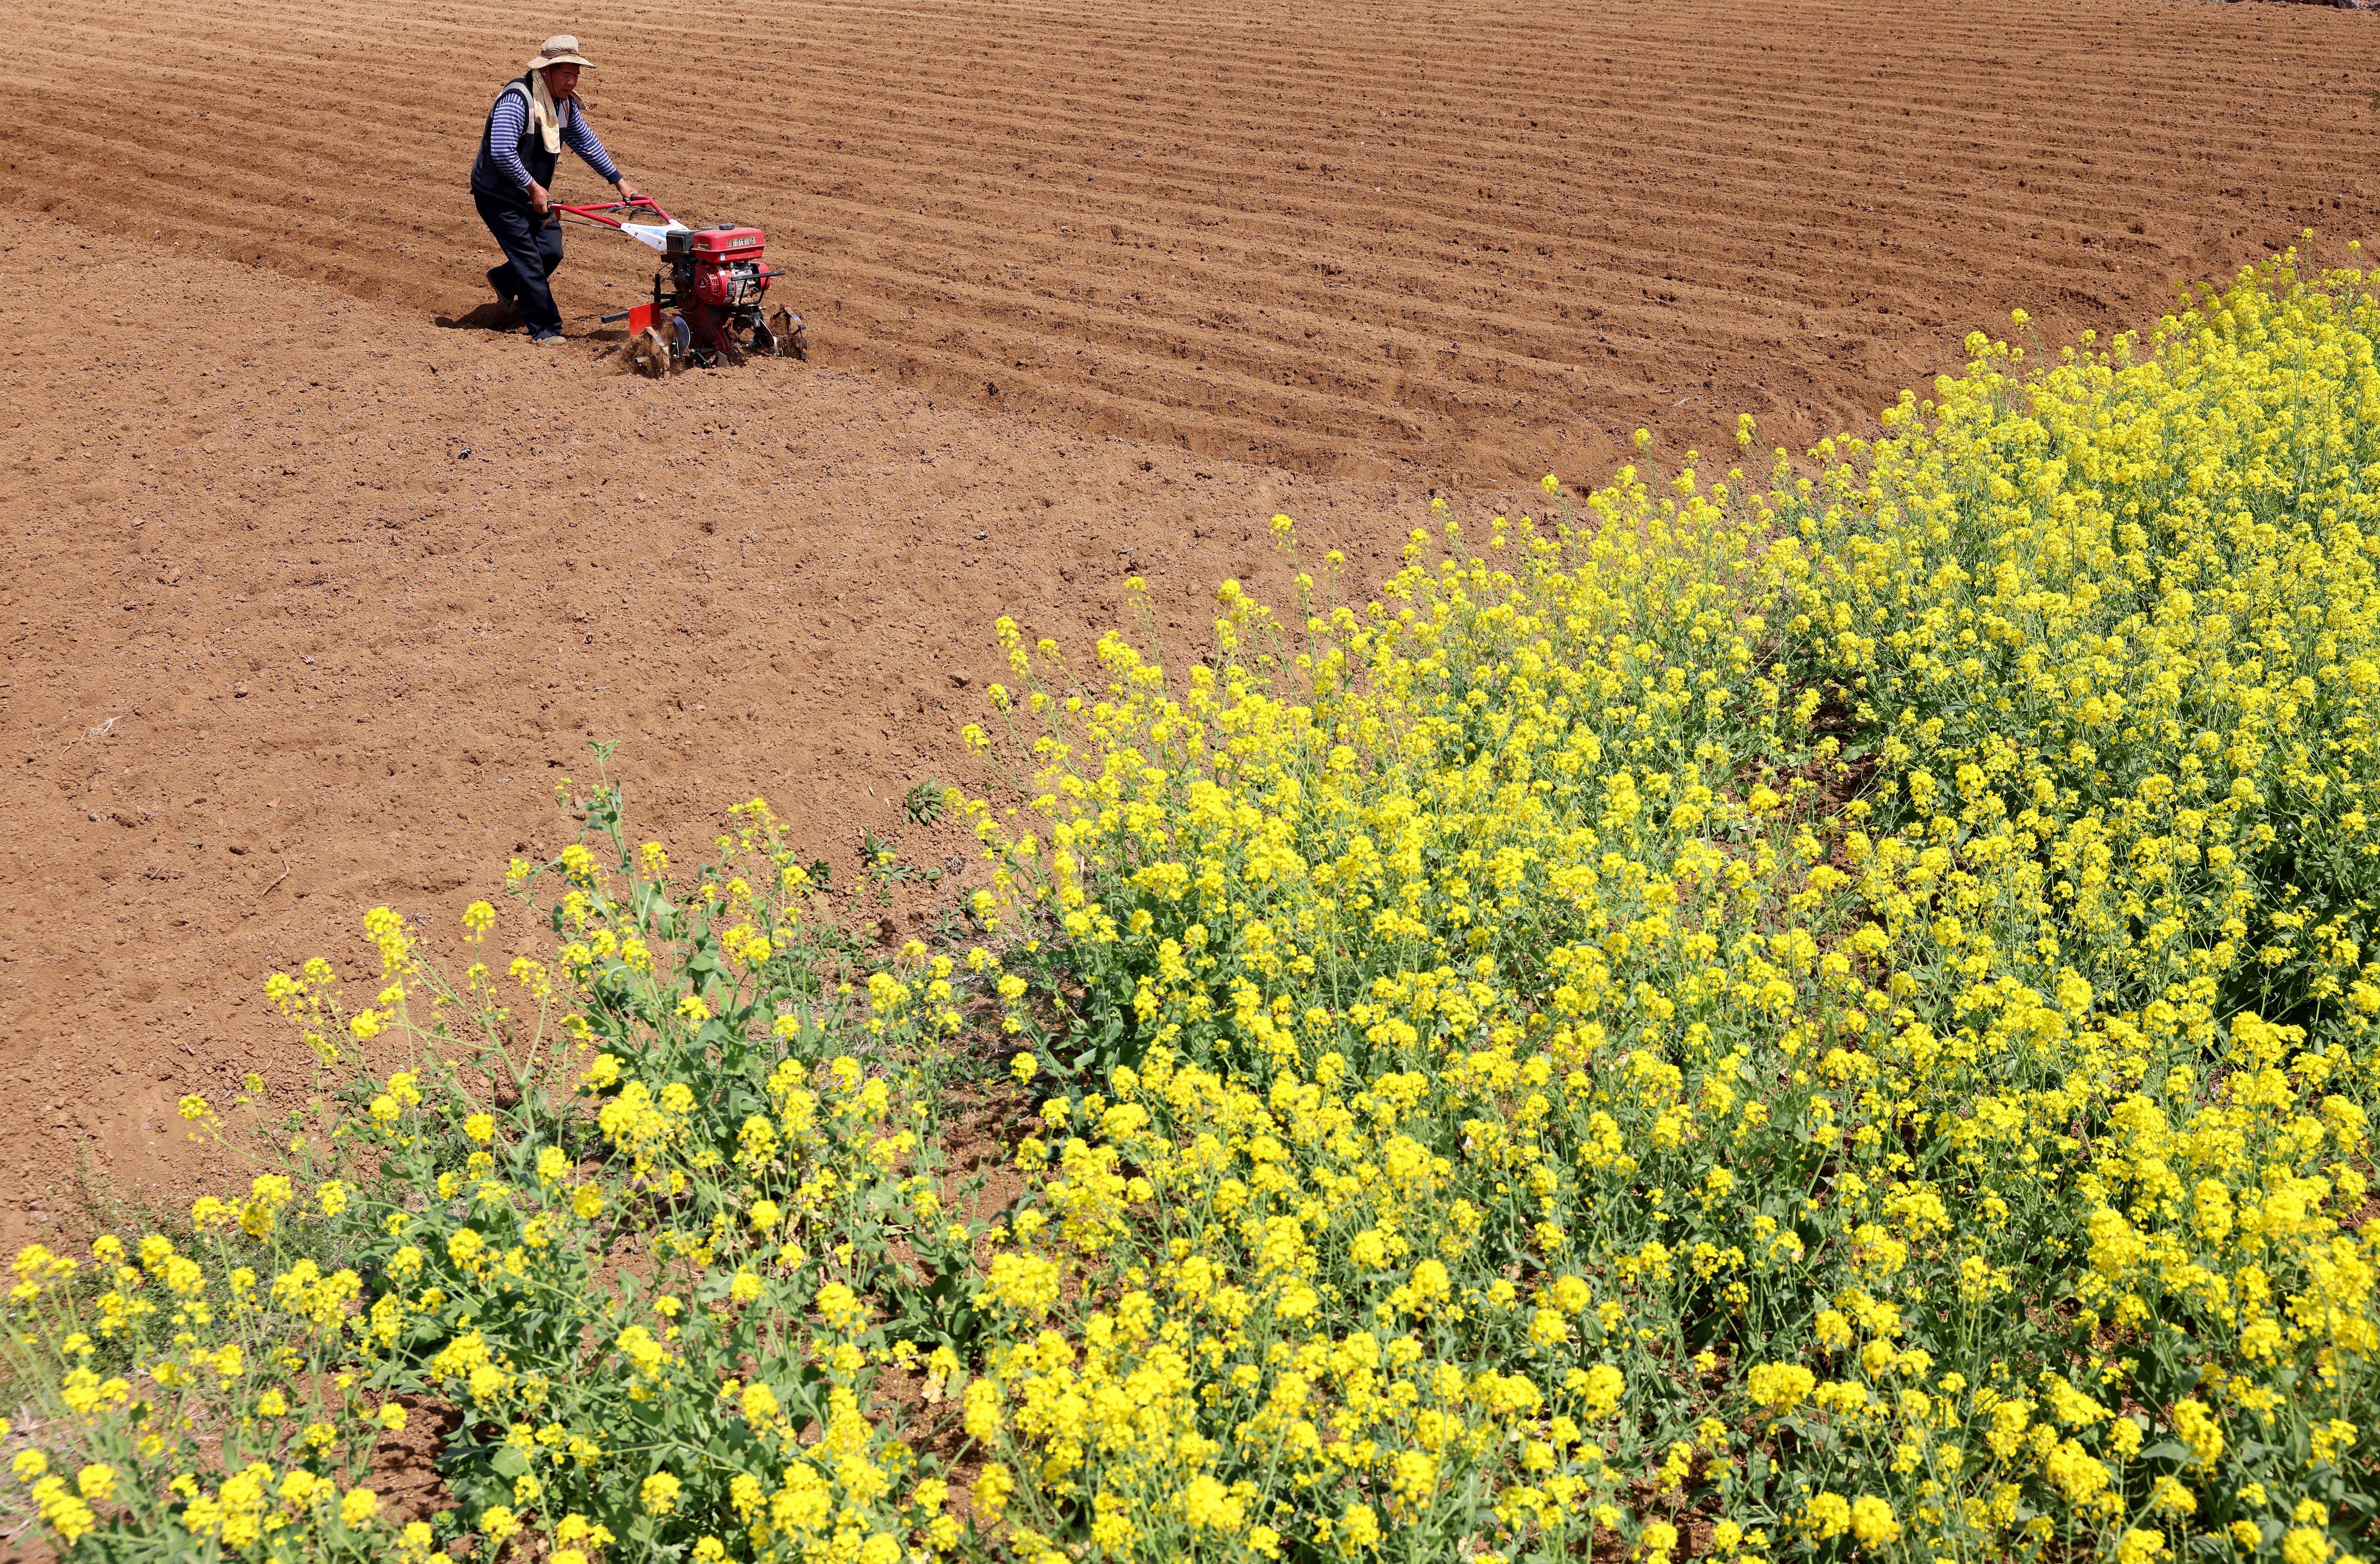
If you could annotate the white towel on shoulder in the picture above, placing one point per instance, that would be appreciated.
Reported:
(542, 113)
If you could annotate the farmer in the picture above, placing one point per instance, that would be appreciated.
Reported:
(512, 179)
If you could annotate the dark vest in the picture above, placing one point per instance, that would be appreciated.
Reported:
(489, 180)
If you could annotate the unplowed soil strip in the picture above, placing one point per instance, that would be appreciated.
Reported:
(1481, 237)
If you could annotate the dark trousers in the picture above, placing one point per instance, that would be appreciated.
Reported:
(532, 252)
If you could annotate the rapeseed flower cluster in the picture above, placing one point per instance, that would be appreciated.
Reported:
(1825, 1014)
(1817, 1014)
(640, 1224)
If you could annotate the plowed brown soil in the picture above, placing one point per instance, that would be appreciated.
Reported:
(1470, 235)
(312, 592)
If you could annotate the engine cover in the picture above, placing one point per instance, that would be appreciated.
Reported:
(724, 265)
(725, 242)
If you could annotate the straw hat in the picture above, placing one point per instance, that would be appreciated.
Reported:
(561, 49)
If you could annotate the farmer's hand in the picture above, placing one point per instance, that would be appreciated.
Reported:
(628, 192)
(539, 199)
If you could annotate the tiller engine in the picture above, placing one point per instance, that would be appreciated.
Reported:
(710, 300)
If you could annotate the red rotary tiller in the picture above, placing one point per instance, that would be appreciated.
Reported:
(708, 303)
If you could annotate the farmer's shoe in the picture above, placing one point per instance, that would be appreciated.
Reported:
(511, 306)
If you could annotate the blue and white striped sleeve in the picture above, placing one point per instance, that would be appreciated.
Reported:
(581, 137)
(505, 137)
